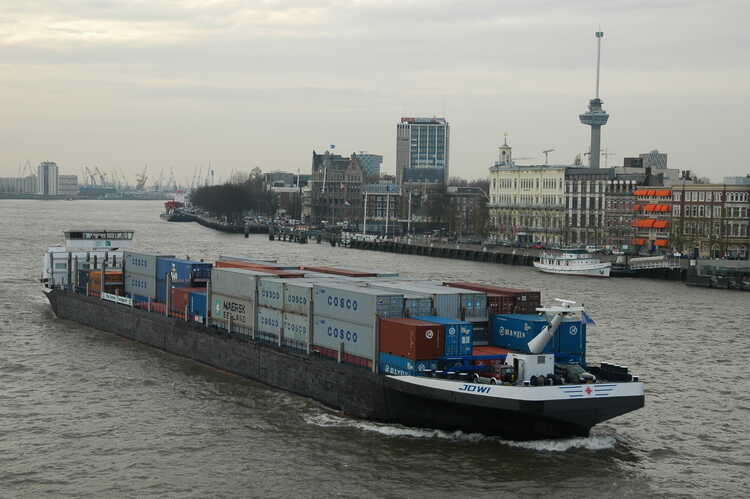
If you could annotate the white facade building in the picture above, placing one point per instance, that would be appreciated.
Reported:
(47, 178)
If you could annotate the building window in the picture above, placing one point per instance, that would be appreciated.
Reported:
(676, 210)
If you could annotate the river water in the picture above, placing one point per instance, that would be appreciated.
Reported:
(84, 413)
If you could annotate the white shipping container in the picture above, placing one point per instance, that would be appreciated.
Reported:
(241, 312)
(358, 339)
(359, 305)
(298, 296)
(269, 324)
(236, 282)
(297, 330)
(271, 293)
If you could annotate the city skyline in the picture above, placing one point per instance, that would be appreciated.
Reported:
(176, 86)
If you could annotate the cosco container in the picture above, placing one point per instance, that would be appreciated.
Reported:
(458, 335)
(268, 324)
(355, 304)
(297, 331)
(142, 263)
(409, 338)
(236, 282)
(358, 339)
(241, 313)
(139, 284)
(271, 293)
(446, 302)
(298, 297)
(401, 366)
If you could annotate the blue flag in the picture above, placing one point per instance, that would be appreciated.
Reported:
(586, 319)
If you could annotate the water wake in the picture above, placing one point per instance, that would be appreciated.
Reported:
(594, 442)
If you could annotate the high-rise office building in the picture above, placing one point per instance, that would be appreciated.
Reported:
(422, 151)
(654, 159)
(47, 178)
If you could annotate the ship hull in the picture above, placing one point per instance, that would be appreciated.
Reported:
(355, 391)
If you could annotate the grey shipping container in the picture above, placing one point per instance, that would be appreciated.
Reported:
(271, 293)
(240, 311)
(138, 284)
(358, 339)
(297, 331)
(359, 305)
(141, 263)
(298, 296)
(268, 263)
(416, 304)
(268, 324)
(446, 301)
(474, 304)
(236, 282)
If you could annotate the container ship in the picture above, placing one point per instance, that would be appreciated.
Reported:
(456, 356)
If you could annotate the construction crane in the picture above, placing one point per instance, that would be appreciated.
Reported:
(140, 179)
(546, 155)
(606, 155)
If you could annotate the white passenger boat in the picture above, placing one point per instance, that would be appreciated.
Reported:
(573, 262)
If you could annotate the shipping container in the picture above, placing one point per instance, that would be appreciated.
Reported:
(570, 341)
(240, 311)
(457, 336)
(515, 331)
(297, 331)
(346, 358)
(271, 293)
(525, 301)
(271, 264)
(493, 365)
(401, 366)
(241, 283)
(446, 302)
(474, 305)
(139, 284)
(191, 299)
(340, 271)
(284, 274)
(355, 304)
(113, 277)
(138, 262)
(409, 338)
(268, 324)
(358, 339)
(298, 297)
(184, 271)
(417, 304)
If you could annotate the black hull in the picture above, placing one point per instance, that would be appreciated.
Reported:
(352, 390)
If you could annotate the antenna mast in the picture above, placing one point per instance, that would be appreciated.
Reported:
(599, 36)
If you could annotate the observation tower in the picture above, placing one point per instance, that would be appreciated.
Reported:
(595, 117)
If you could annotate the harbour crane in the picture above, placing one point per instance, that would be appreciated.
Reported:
(140, 179)
(546, 155)
(102, 176)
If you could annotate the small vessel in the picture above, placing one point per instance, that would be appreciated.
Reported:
(573, 262)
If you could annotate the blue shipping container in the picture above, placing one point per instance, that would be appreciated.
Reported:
(197, 304)
(459, 335)
(401, 366)
(185, 271)
(514, 331)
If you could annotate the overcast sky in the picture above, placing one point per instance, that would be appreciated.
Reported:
(176, 84)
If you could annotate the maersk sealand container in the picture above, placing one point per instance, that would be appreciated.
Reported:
(458, 335)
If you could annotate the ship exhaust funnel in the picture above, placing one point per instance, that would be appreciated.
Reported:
(567, 308)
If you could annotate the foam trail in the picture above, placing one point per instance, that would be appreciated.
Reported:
(594, 442)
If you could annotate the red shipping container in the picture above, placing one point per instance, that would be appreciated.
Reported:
(410, 338)
(493, 365)
(343, 272)
(283, 274)
(180, 298)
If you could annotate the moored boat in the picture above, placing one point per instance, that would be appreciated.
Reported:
(573, 262)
